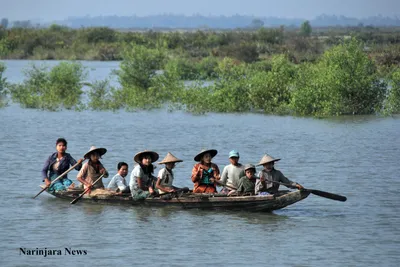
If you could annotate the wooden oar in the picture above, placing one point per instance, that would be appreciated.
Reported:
(221, 184)
(86, 190)
(183, 189)
(59, 177)
(316, 192)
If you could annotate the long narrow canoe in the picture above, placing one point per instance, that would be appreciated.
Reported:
(198, 201)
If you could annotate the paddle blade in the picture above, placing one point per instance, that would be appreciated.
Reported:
(327, 195)
(44, 189)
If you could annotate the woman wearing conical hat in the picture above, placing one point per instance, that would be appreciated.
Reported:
(142, 180)
(165, 176)
(269, 178)
(93, 169)
(205, 173)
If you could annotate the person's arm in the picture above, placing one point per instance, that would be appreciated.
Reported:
(289, 183)
(163, 188)
(161, 175)
(216, 174)
(196, 173)
(240, 186)
(103, 171)
(224, 176)
(258, 187)
(120, 182)
(72, 162)
(82, 175)
(112, 184)
(45, 171)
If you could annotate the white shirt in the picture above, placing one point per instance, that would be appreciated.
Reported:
(166, 178)
(231, 175)
(117, 182)
(138, 172)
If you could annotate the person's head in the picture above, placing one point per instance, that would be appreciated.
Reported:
(234, 157)
(146, 159)
(205, 156)
(61, 145)
(94, 154)
(170, 161)
(170, 165)
(269, 166)
(249, 170)
(122, 169)
(268, 162)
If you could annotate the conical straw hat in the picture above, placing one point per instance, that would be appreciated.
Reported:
(212, 152)
(92, 149)
(154, 156)
(266, 159)
(169, 158)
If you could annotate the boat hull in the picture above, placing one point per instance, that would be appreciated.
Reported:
(198, 201)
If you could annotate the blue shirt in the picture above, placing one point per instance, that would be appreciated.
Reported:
(64, 165)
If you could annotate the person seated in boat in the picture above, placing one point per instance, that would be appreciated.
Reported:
(205, 173)
(165, 176)
(56, 164)
(93, 169)
(118, 182)
(231, 173)
(269, 178)
(142, 180)
(247, 183)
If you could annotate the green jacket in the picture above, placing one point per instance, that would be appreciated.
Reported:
(246, 185)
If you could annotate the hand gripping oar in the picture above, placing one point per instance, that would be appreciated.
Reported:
(59, 177)
(316, 192)
(86, 190)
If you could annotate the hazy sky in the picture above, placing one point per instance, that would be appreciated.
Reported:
(60, 9)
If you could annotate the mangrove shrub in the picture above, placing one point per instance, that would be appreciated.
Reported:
(3, 85)
(269, 91)
(344, 81)
(392, 103)
(61, 87)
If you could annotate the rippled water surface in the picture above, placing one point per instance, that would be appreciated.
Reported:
(358, 157)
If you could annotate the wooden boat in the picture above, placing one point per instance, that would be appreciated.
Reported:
(197, 201)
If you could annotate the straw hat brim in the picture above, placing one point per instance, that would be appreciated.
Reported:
(154, 156)
(212, 152)
(99, 150)
(170, 161)
(267, 161)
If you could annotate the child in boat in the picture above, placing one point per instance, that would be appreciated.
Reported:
(58, 163)
(247, 183)
(269, 177)
(118, 182)
(231, 173)
(165, 176)
(142, 180)
(93, 169)
(205, 173)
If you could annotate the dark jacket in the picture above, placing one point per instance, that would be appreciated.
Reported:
(65, 164)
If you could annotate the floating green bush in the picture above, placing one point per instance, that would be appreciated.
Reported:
(3, 85)
(344, 81)
(61, 87)
(392, 103)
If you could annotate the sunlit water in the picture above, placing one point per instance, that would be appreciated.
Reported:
(354, 156)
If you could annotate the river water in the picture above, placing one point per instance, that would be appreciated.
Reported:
(353, 156)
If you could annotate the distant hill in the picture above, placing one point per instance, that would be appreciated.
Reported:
(218, 22)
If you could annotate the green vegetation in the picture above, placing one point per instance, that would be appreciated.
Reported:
(304, 72)
(61, 87)
(3, 85)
